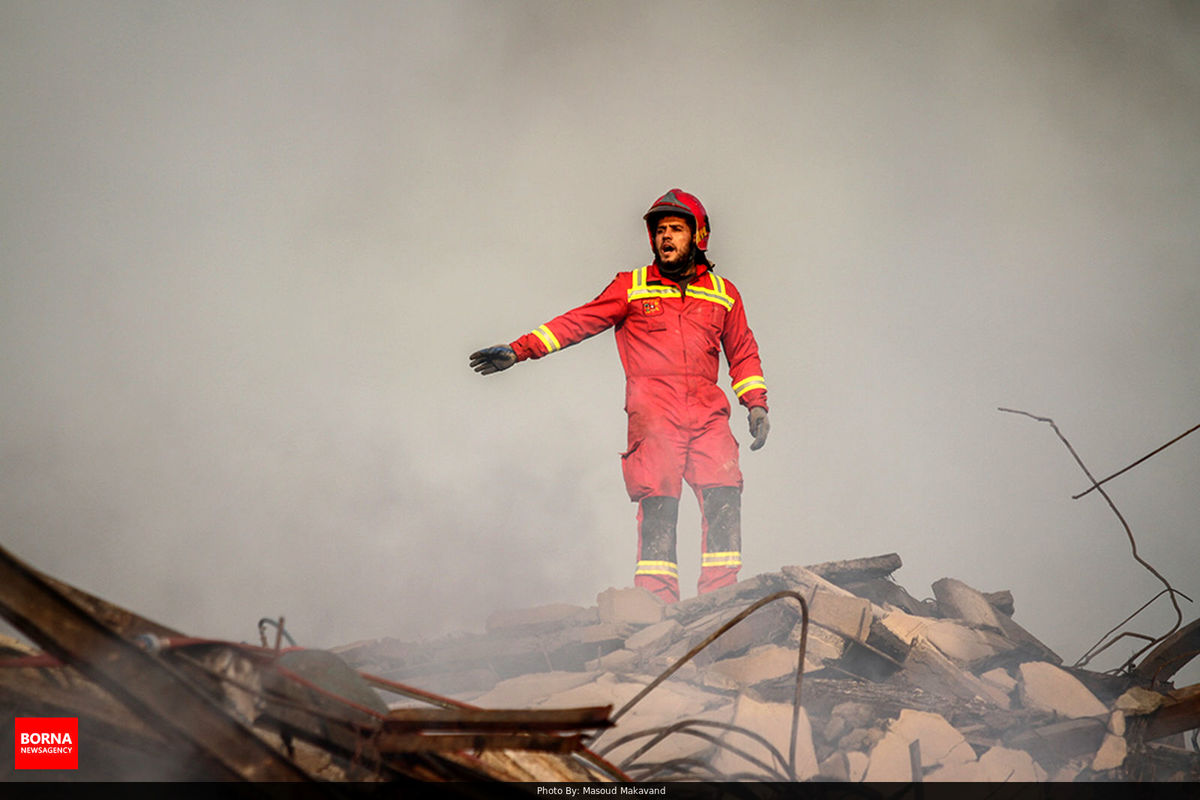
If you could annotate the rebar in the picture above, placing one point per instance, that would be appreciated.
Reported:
(1171, 591)
(720, 632)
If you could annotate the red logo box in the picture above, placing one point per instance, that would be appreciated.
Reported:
(47, 743)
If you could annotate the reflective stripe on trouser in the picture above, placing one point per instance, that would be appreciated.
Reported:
(721, 547)
(657, 567)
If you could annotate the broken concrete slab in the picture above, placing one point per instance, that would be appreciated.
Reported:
(651, 640)
(1111, 754)
(891, 760)
(1005, 765)
(939, 742)
(526, 690)
(616, 661)
(887, 594)
(1058, 742)
(933, 672)
(772, 721)
(846, 615)
(763, 663)
(960, 772)
(957, 640)
(773, 623)
(730, 598)
(1049, 688)
(957, 599)
(1138, 701)
(1000, 679)
(633, 604)
(857, 764)
(857, 569)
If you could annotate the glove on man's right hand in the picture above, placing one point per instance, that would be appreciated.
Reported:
(493, 359)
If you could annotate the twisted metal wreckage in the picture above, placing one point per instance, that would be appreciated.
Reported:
(155, 704)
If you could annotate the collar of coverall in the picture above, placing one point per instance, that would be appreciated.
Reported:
(654, 273)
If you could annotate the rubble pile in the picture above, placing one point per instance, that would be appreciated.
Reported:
(893, 688)
(830, 672)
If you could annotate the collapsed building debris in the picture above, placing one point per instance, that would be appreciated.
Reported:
(949, 688)
(154, 704)
(826, 672)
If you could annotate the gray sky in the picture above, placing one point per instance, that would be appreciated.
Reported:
(245, 249)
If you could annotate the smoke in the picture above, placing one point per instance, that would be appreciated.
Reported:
(246, 250)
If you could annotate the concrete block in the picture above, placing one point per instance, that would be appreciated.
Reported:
(957, 599)
(999, 678)
(760, 664)
(960, 642)
(772, 721)
(890, 760)
(1005, 765)
(526, 690)
(681, 743)
(805, 581)
(940, 742)
(847, 615)
(933, 672)
(835, 768)
(963, 644)
(617, 661)
(961, 772)
(857, 763)
(822, 645)
(1046, 687)
(1137, 701)
(653, 639)
(1111, 754)
(634, 604)
(906, 627)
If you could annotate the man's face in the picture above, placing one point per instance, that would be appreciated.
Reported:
(673, 242)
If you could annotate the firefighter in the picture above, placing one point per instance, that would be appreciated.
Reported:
(672, 320)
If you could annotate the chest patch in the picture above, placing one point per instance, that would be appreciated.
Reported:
(651, 306)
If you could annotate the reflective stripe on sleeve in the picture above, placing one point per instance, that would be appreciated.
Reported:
(746, 384)
(548, 338)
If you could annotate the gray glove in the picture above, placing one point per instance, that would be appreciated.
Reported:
(760, 426)
(493, 359)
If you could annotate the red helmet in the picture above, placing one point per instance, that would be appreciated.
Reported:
(683, 204)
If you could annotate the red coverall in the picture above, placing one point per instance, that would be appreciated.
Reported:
(670, 344)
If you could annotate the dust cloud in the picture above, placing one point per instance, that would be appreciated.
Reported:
(246, 248)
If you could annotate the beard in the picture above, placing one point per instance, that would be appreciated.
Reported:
(682, 265)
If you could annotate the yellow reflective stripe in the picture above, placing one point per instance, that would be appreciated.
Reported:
(548, 338)
(639, 278)
(717, 294)
(652, 291)
(746, 384)
(711, 296)
(657, 568)
(732, 558)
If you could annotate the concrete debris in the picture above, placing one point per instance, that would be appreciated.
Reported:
(892, 689)
(1047, 688)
